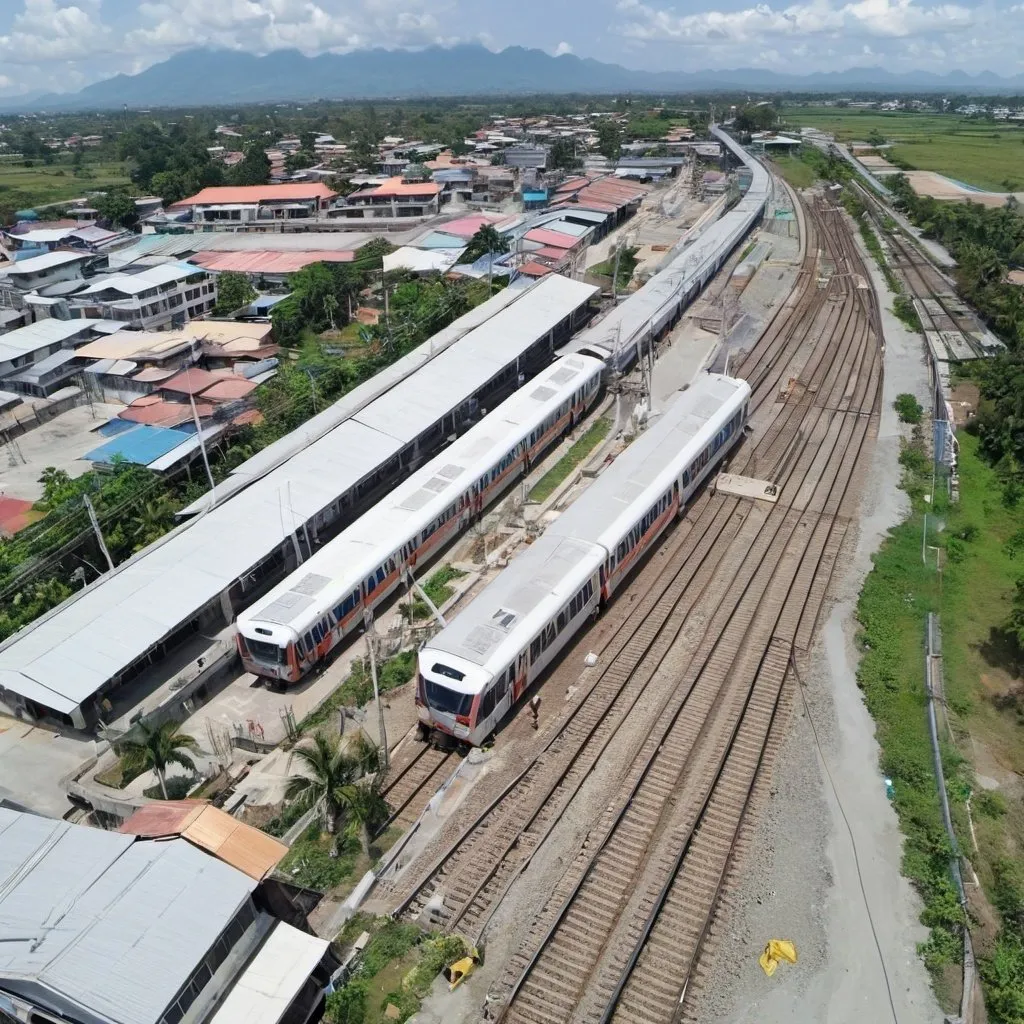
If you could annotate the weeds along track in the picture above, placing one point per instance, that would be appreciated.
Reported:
(700, 656)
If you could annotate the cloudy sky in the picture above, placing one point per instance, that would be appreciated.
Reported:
(60, 45)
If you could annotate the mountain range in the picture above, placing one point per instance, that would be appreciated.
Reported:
(203, 77)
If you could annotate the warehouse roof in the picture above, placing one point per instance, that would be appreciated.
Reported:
(48, 261)
(264, 261)
(105, 921)
(235, 194)
(68, 655)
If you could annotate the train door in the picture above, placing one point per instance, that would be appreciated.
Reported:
(504, 686)
(522, 676)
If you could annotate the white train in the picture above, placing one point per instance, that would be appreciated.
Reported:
(649, 312)
(478, 666)
(302, 619)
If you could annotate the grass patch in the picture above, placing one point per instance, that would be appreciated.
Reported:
(357, 689)
(437, 589)
(981, 153)
(27, 187)
(796, 172)
(546, 485)
(627, 264)
(908, 408)
(309, 862)
(981, 563)
(398, 967)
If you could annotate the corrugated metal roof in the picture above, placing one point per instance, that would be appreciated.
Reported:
(551, 238)
(208, 827)
(141, 446)
(66, 656)
(109, 923)
(23, 340)
(273, 978)
(192, 381)
(263, 261)
(257, 194)
(47, 261)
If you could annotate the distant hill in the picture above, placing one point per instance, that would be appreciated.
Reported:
(204, 77)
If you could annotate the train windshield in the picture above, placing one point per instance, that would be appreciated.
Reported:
(269, 654)
(446, 700)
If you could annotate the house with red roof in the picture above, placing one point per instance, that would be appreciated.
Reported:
(257, 204)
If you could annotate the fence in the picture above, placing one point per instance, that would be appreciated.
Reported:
(933, 681)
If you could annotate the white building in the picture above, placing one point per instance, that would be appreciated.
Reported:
(171, 294)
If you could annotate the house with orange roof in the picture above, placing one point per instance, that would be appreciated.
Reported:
(395, 198)
(257, 204)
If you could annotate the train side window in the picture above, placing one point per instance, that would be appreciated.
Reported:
(299, 649)
(309, 642)
(560, 622)
(549, 634)
(501, 685)
(535, 647)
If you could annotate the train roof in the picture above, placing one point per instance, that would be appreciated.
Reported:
(617, 498)
(514, 607)
(67, 655)
(327, 577)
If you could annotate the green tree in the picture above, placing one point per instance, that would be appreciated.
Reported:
(485, 240)
(562, 155)
(609, 139)
(117, 209)
(365, 808)
(325, 780)
(158, 747)
(253, 168)
(234, 290)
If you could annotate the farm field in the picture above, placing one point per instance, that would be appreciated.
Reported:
(22, 186)
(985, 155)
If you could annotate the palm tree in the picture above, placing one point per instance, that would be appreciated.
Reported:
(327, 772)
(160, 746)
(366, 808)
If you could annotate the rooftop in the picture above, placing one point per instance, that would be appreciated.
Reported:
(228, 839)
(104, 921)
(266, 261)
(31, 338)
(232, 194)
(397, 187)
(48, 261)
(66, 656)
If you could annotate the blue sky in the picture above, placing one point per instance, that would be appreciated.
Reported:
(61, 45)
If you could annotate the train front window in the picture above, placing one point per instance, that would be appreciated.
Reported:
(269, 654)
(448, 701)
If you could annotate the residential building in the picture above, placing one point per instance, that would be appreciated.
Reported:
(154, 297)
(257, 204)
(39, 273)
(395, 198)
(27, 346)
(101, 927)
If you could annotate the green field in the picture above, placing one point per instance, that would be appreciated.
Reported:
(980, 153)
(795, 171)
(26, 187)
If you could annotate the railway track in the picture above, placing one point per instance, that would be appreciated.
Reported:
(411, 783)
(700, 658)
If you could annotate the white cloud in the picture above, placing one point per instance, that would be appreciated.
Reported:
(880, 18)
(311, 26)
(563, 48)
(47, 30)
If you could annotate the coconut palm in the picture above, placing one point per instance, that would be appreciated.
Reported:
(157, 747)
(326, 773)
(365, 808)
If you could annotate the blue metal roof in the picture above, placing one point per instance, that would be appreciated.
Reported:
(439, 240)
(141, 446)
(534, 197)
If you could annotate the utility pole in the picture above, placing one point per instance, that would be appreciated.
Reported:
(99, 533)
(615, 276)
(202, 448)
(371, 647)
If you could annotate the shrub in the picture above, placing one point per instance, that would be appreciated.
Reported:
(990, 803)
(348, 1004)
(908, 408)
